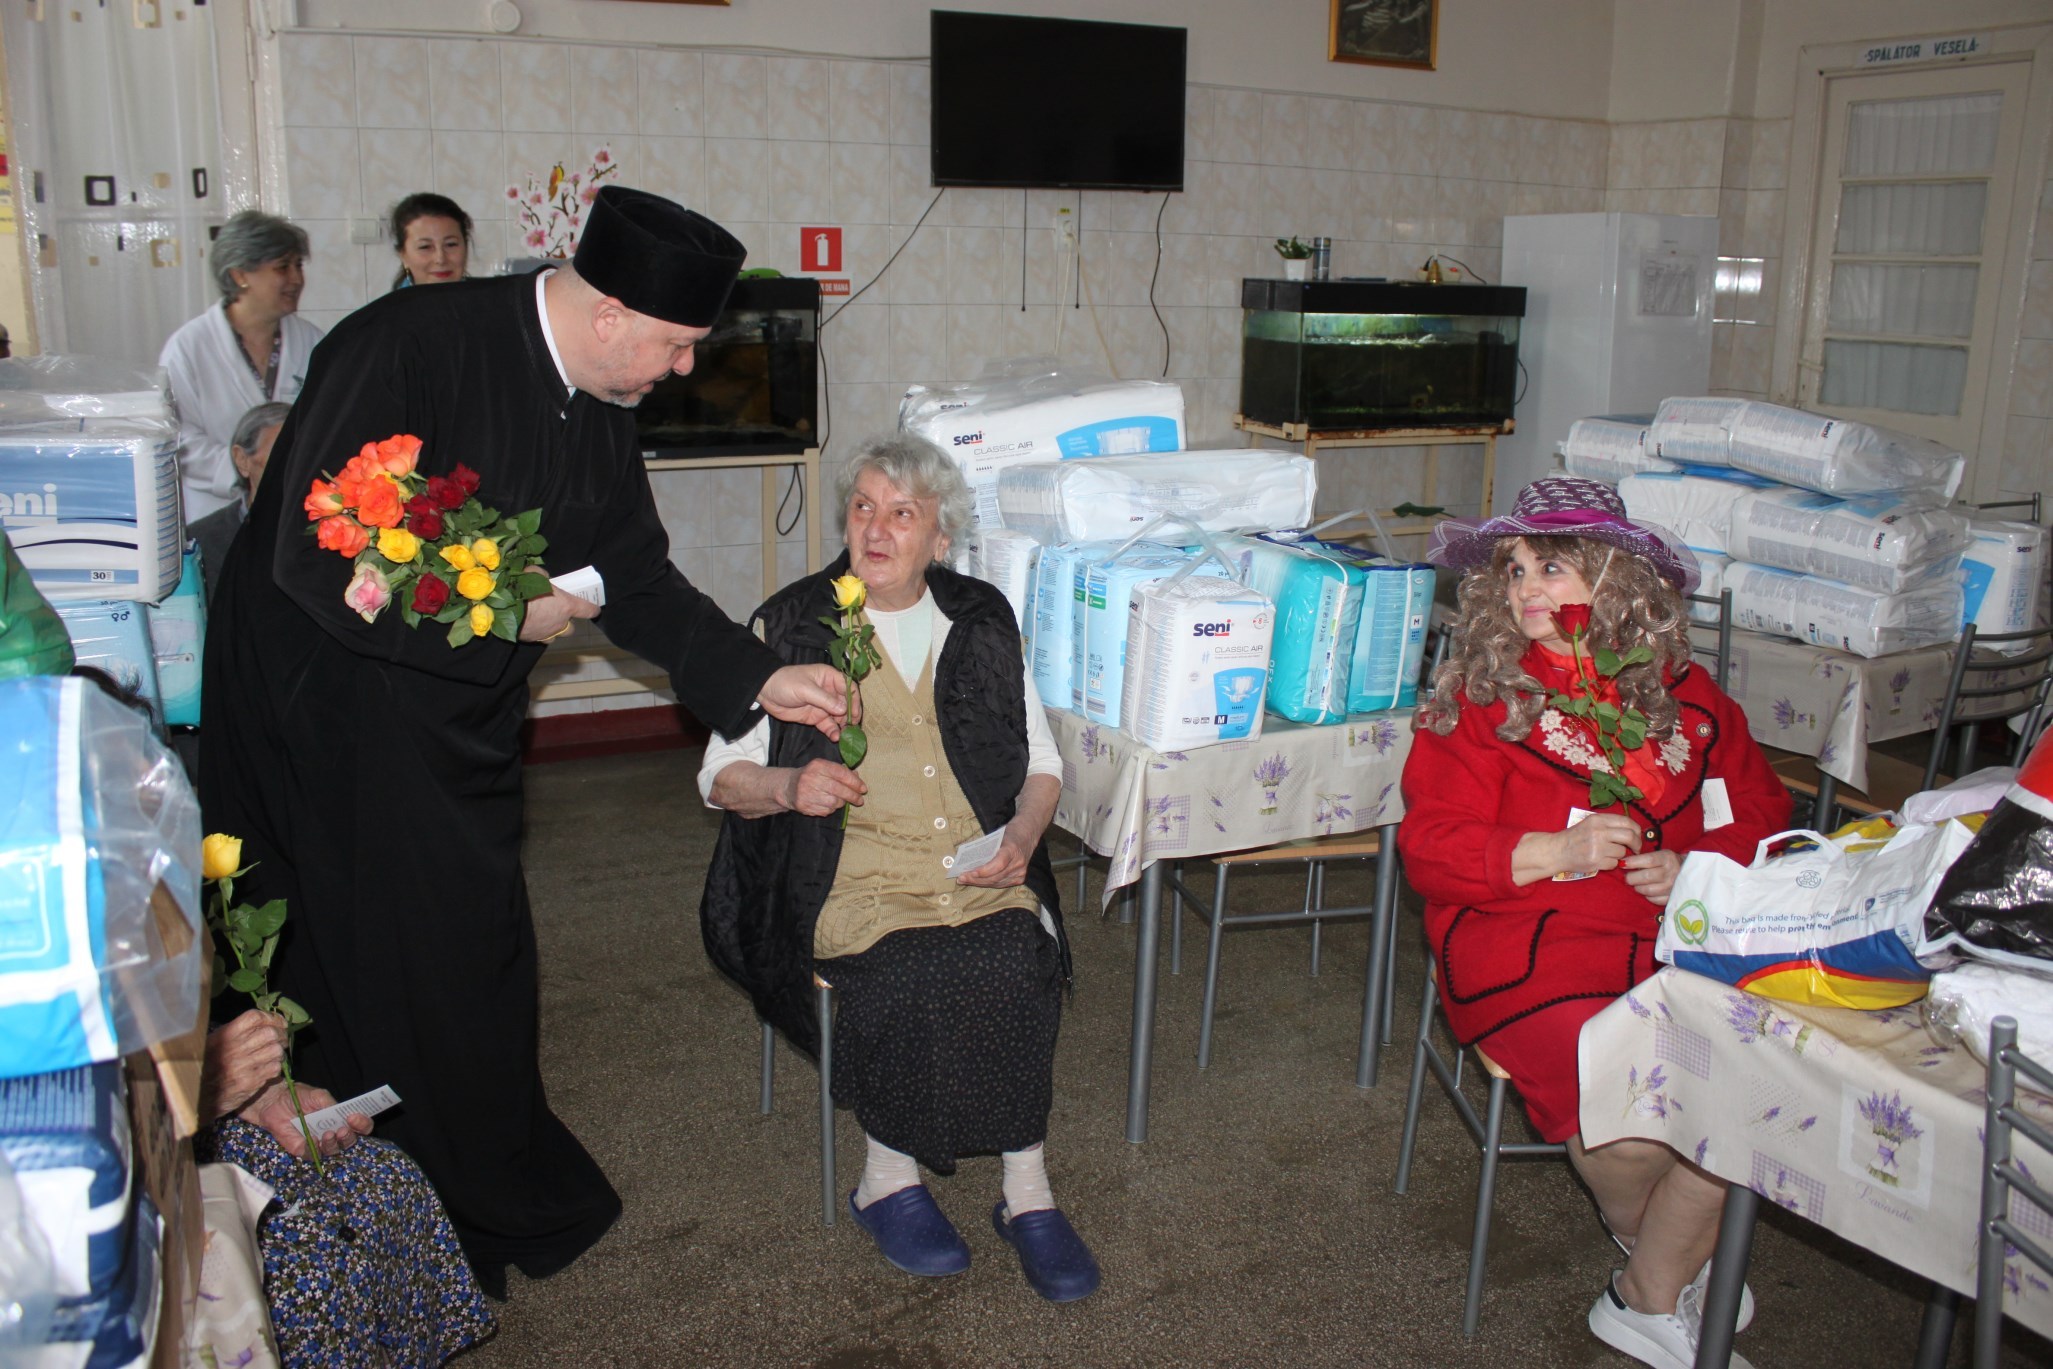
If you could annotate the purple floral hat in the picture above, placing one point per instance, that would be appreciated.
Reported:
(1565, 506)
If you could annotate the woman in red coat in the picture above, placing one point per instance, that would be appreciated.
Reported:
(1545, 863)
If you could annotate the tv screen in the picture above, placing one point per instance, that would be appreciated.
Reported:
(1046, 103)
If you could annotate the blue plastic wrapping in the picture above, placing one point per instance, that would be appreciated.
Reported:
(178, 627)
(1390, 637)
(66, 1137)
(1317, 590)
(92, 508)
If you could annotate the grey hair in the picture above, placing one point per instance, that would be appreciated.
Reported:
(249, 429)
(249, 240)
(916, 466)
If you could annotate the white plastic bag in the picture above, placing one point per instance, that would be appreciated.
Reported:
(1610, 449)
(1827, 613)
(1969, 997)
(1113, 497)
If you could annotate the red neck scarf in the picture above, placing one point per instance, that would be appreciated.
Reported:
(1557, 673)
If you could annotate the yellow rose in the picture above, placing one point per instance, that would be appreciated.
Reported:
(480, 614)
(220, 856)
(459, 556)
(475, 583)
(849, 592)
(486, 552)
(398, 545)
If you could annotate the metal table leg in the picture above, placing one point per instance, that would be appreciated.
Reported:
(1375, 1011)
(1728, 1276)
(1140, 1057)
(1935, 1332)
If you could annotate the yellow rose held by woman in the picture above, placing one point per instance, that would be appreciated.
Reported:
(480, 614)
(220, 856)
(458, 556)
(398, 546)
(849, 592)
(485, 551)
(475, 583)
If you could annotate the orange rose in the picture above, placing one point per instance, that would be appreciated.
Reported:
(397, 454)
(382, 505)
(322, 501)
(342, 535)
(354, 483)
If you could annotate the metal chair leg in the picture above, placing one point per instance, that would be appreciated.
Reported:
(823, 998)
(1486, 1198)
(1387, 869)
(1083, 867)
(769, 1068)
(1825, 808)
(1176, 924)
(1418, 1082)
(1315, 898)
(1212, 970)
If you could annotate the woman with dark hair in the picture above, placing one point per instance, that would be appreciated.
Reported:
(1549, 803)
(432, 236)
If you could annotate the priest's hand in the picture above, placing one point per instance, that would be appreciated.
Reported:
(551, 615)
(812, 695)
(272, 1110)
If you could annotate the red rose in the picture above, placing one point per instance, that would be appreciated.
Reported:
(446, 493)
(465, 477)
(426, 523)
(1573, 620)
(430, 593)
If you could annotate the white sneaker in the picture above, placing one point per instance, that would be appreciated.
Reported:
(1702, 1282)
(1666, 1342)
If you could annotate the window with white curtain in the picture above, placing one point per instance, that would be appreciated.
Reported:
(1914, 203)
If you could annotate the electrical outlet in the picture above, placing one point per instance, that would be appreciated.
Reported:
(364, 232)
(1065, 229)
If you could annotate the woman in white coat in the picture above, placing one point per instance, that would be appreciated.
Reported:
(251, 349)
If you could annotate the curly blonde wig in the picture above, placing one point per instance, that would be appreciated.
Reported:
(1633, 606)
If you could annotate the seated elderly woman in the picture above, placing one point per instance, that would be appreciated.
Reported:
(1545, 846)
(949, 980)
(360, 1266)
(250, 450)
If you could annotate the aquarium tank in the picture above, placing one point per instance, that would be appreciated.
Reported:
(753, 388)
(1349, 355)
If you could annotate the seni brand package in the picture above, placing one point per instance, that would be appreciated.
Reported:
(1834, 456)
(1051, 641)
(1241, 490)
(2002, 573)
(92, 507)
(1104, 620)
(1879, 542)
(1317, 591)
(1390, 636)
(1197, 662)
(1694, 428)
(1006, 559)
(1694, 505)
(1610, 449)
(1828, 613)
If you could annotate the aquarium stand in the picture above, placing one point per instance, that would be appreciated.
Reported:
(1432, 439)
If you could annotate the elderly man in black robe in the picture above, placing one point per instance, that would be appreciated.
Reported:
(373, 771)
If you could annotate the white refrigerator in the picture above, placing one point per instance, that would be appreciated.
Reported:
(1618, 318)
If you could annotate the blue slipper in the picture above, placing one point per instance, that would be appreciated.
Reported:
(1053, 1257)
(913, 1233)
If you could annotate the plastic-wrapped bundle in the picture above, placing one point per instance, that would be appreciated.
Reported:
(92, 507)
(1051, 644)
(113, 637)
(118, 1327)
(1197, 663)
(1242, 490)
(1610, 449)
(1996, 903)
(1712, 568)
(1695, 429)
(1966, 1000)
(2004, 571)
(1835, 456)
(1695, 507)
(54, 386)
(1390, 637)
(98, 832)
(1828, 613)
(1006, 559)
(1105, 620)
(1880, 542)
(1317, 590)
(65, 1135)
(1041, 413)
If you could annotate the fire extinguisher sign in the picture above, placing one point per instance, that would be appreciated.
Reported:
(819, 250)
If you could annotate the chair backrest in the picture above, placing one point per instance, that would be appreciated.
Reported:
(2002, 1176)
(2013, 675)
(1443, 641)
(2031, 506)
(1721, 656)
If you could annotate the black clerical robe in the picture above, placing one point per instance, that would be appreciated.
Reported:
(373, 771)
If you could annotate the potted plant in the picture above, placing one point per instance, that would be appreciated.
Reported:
(1297, 257)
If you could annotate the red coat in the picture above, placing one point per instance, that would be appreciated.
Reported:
(1507, 952)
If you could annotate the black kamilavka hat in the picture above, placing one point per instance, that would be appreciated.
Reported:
(658, 258)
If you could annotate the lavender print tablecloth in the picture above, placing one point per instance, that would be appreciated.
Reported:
(1859, 1121)
(1134, 806)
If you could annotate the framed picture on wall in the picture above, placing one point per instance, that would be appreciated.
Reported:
(1386, 33)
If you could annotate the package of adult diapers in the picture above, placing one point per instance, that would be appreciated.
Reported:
(1390, 636)
(1834, 456)
(1051, 642)
(1047, 414)
(113, 636)
(1005, 559)
(1879, 542)
(2003, 574)
(1696, 505)
(1197, 662)
(39, 389)
(1317, 591)
(99, 890)
(116, 1329)
(178, 629)
(1712, 568)
(65, 1135)
(1828, 613)
(1242, 490)
(92, 507)
(1105, 620)
(1694, 428)
(1610, 449)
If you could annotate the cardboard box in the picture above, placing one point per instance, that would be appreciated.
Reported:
(164, 1102)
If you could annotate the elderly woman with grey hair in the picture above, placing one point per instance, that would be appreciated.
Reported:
(250, 349)
(249, 447)
(949, 978)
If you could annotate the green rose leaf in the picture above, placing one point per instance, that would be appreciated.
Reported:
(855, 744)
(459, 630)
(268, 919)
(529, 585)
(246, 981)
(1607, 661)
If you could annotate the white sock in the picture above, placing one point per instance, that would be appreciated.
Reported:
(1026, 1181)
(885, 1172)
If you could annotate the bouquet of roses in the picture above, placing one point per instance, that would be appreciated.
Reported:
(427, 543)
(1617, 729)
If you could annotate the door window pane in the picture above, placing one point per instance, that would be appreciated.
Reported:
(1926, 301)
(1905, 377)
(1945, 134)
(1941, 220)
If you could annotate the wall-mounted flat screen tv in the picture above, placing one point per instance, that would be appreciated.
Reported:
(1057, 103)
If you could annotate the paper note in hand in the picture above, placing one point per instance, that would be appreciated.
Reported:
(363, 1105)
(585, 582)
(1576, 815)
(977, 852)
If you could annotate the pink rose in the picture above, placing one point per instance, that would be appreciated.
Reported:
(368, 593)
